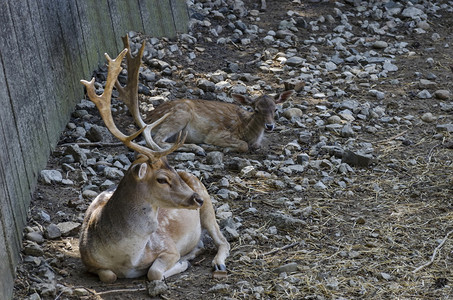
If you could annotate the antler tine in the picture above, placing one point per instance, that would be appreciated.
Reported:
(103, 103)
(129, 93)
(150, 142)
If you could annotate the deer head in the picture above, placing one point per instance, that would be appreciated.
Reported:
(151, 172)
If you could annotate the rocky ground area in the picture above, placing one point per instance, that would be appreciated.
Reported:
(350, 197)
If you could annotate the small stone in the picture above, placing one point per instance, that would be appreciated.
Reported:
(360, 221)
(389, 67)
(428, 117)
(68, 228)
(292, 112)
(206, 85)
(380, 45)
(248, 171)
(356, 159)
(33, 249)
(185, 156)
(386, 276)
(320, 186)
(287, 268)
(51, 176)
(294, 61)
(334, 120)
(330, 66)
(35, 237)
(81, 292)
(220, 288)
(214, 158)
(424, 94)
(442, 94)
(424, 83)
(347, 131)
(445, 127)
(156, 288)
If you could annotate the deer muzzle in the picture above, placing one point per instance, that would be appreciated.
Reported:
(269, 126)
(195, 199)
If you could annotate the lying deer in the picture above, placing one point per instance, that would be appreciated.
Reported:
(217, 123)
(152, 222)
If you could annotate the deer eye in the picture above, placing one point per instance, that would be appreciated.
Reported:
(163, 180)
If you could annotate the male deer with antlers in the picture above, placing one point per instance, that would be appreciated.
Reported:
(152, 222)
(217, 123)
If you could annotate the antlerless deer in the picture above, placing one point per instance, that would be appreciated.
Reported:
(216, 123)
(151, 223)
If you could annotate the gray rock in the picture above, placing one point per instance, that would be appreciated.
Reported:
(380, 45)
(220, 288)
(445, 127)
(165, 83)
(442, 94)
(426, 84)
(412, 12)
(347, 131)
(428, 117)
(424, 94)
(99, 133)
(35, 237)
(294, 61)
(330, 66)
(214, 158)
(33, 249)
(78, 154)
(292, 112)
(206, 85)
(69, 228)
(113, 173)
(51, 176)
(356, 159)
(185, 156)
(287, 268)
(389, 67)
(156, 288)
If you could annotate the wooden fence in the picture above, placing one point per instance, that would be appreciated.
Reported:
(46, 47)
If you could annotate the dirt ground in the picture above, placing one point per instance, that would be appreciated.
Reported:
(362, 242)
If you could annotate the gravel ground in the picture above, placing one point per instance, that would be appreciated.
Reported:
(350, 197)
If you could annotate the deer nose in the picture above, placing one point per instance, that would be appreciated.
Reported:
(269, 127)
(197, 199)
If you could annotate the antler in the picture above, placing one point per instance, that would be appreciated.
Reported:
(129, 93)
(103, 103)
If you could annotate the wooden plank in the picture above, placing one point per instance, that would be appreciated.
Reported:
(125, 16)
(6, 266)
(11, 191)
(180, 15)
(151, 18)
(17, 115)
(89, 33)
(166, 18)
(107, 38)
(73, 61)
(46, 88)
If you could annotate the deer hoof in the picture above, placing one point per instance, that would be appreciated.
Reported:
(220, 272)
(156, 288)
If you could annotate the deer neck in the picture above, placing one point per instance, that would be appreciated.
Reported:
(254, 128)
(128, 211)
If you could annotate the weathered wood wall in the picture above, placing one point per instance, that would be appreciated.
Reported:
(46, 47)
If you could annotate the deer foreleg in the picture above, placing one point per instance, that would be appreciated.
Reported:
(209, 223)
(228, 142)
(165, 265)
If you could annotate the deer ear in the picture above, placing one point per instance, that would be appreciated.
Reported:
(244, 100)
(142, 171)
(283, 96)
